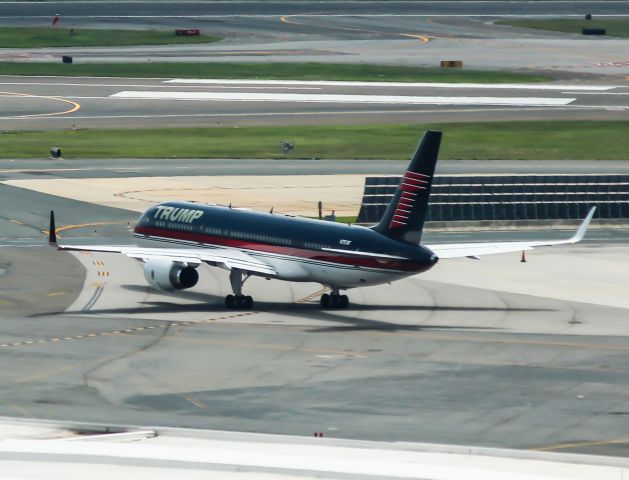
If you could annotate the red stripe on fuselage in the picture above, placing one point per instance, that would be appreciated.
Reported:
(380, 263)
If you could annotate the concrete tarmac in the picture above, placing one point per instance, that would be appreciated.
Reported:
(419, 360)
(495, 353)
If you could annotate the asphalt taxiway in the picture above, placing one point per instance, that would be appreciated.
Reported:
(11, 169)
(200, 9)
(497, 353)
(57, 102)
(420, 360)
(395, 33)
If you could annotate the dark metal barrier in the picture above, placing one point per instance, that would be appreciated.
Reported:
(508, 197)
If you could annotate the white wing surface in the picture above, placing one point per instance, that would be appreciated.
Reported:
(227, 258)
(473, 250)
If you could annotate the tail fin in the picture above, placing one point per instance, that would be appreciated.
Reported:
(404, 217)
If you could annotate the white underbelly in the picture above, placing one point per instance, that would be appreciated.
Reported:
(347, 276)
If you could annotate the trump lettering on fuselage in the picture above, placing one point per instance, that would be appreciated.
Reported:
(174, 214)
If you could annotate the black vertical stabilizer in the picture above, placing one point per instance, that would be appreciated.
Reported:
(52, 230)
(405, 215)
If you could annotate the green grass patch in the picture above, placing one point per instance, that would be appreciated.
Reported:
(350, 219)
(589, 140)
(272, 71)
(615, 27)
(36, 37)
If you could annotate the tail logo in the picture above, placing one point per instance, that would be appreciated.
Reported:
(412, 184)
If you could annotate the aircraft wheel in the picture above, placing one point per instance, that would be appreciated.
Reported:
(230, 301)
(248, 302)
(343, 301)
(325, 300)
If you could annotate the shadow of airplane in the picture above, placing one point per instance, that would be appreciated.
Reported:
(350, 323)
(349, 318)
(187, 294)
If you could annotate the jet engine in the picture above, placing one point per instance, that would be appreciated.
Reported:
(165, 275)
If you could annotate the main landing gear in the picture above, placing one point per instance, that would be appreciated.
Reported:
(238, 300)
(334, 299)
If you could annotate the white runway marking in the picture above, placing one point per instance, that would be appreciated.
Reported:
(332, 98)
(327, 83)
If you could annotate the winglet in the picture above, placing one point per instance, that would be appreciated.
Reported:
(580, 233)
(52, 230)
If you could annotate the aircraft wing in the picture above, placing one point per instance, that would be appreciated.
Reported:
(474, 250)
(227, 258)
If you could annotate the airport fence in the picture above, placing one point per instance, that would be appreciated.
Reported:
(508, 197)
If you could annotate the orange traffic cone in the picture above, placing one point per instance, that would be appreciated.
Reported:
(523, 259)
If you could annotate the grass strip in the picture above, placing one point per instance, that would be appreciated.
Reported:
(38, 37)
(271, 71)
(614, 27)
(548, 140)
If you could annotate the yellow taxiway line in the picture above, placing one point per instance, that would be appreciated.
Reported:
(421, 38)
(563, 446)
(75, 106)
(81, 225)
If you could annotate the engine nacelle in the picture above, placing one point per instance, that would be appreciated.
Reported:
(165, 275)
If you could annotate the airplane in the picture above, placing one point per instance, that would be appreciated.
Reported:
(296, 249)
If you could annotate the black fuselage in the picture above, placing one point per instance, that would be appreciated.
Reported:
(282, 235)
